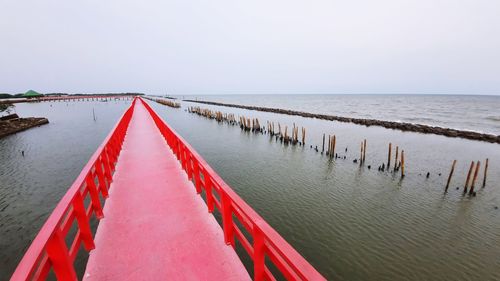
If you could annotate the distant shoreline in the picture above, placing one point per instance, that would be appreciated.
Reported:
(402, 126)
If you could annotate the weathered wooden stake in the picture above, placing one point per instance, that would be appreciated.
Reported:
(451, 174)
(361, 155)
(402, 163)
(330, 142)
(333, 145)
(364, 151)
(396, 159)
(468, 176)
(329, 139)
(323, 150)
(389, 156)
(476, 172)
(485, 172)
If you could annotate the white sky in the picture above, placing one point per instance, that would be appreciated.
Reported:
(257, 46)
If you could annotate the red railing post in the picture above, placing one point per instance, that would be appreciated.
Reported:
(113, 146)
(208, 191)
(183, 157)
(112, 155)
(189, 165)
(227, 218)
(59, 257)
(106, 162)
(177, 149)
(197, 179)
(94, 196)
(258, 253)
(100, 177)
(83, 222)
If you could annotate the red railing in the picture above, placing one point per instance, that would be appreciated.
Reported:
(49, 251)
(261, 239)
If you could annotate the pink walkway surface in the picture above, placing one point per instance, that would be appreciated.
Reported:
(155, 226)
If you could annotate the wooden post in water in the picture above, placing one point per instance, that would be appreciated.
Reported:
(333, 145)
(468, 176)
(330, 149)
(389, 156)
(402, 163)
(323, 150)
(396, 159)
(451, 174)
(303, 136)
(330, 146)
(361, 155)
(485, 172)
(476, 172)
(329, 139)
(364, 151)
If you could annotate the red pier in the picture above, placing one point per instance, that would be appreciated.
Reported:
(154, 225)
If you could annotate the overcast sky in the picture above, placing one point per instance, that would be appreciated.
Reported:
(257, 46)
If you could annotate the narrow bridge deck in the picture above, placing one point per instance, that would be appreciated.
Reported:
(155, 226)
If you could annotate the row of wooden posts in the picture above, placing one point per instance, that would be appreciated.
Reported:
(212, 114)
(168, 103)
(284, 137)
(398, 165)
(250, 124)
(474, 167)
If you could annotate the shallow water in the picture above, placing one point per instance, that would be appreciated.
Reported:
(475, 113)
(350, 222)
(55, 154)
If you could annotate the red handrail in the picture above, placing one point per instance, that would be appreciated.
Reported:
(48, 250)
(266, 241)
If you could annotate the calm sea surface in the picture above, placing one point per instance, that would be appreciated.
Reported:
(350, 222)
(476, 113)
